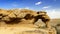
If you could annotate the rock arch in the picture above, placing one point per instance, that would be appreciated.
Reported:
(26, 14)
(44, 17)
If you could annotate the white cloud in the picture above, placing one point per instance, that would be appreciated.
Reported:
(53, 14)
(45, 7)
(38, 3)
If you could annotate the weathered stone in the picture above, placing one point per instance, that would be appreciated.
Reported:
(26, 17)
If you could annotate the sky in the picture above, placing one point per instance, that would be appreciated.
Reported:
(52, 7)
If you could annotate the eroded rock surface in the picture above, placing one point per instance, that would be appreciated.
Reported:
(23, 21)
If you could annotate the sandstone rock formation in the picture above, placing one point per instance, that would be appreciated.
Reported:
(16, 16)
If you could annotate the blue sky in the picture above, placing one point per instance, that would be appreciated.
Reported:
(48, 5)
(32, 4)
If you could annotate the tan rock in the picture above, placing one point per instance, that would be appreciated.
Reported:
(18, 15)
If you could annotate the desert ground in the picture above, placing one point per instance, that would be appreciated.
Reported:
(27, 28)
(56, 23)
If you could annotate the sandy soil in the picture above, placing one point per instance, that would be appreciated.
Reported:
(22, 29)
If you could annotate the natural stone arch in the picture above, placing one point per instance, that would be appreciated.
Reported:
(44, 17)
(27, 14)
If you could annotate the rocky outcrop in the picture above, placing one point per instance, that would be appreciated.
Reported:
(7, 15)
(24, 16)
